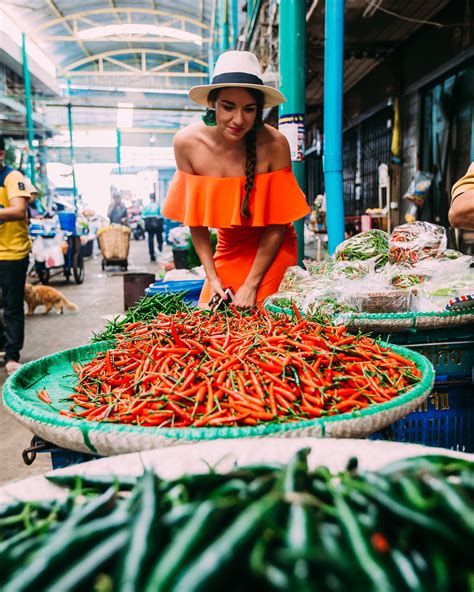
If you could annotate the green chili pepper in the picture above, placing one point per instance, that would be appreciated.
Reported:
(204, 571)
(99, 482)
(408, 575)
(145, 537)
(73, 534)
(361, 551)
(89, 563)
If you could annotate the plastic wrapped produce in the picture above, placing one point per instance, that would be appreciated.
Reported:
(411, 243)
(373, 294)
(295, 278)
(370, 245)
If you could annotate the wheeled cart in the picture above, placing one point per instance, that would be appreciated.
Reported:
(114, 243)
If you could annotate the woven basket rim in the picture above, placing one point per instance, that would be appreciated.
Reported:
(396, 316)
(36, 410)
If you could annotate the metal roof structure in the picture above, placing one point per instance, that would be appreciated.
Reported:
(149, 44)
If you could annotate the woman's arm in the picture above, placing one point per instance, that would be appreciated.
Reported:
(270, 243)
(461, 212)
(202, 244)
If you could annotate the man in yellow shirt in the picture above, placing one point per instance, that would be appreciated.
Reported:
(15, 246)
(461, 212)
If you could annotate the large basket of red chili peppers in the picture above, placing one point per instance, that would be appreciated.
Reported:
(200, 375)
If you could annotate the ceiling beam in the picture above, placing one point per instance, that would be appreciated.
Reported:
(72, 69)
(63, 19)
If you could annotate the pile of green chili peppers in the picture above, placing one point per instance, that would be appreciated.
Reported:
(146, 309)
(408, 526)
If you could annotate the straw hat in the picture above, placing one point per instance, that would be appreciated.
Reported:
(237, 69)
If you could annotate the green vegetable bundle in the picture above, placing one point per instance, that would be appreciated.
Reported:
(372, 244)
(146, 309)
(267, 527)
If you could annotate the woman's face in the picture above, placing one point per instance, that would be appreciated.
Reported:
(236, 110)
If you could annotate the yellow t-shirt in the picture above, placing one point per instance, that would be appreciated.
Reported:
(464, 184)
(15, 242)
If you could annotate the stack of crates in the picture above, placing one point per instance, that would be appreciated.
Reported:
(446, 418)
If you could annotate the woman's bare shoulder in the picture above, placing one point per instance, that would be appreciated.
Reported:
(184, 145)
(187, 135)
(274, 145)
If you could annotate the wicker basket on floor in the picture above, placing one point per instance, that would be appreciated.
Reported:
(114, 241)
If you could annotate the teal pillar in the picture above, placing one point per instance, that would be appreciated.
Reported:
(251, 6)
(119, 150)
(29, 111)
(333, 91)
(224, 25)
(292, 85)
(235, 22)
(71, 152)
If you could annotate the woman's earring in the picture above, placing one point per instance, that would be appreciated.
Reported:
(209, 117)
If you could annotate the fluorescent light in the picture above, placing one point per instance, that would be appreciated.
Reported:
(127, 89)
(139, 30)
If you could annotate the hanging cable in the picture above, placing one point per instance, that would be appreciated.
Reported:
(377, 7)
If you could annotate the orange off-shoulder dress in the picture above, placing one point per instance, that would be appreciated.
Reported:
(214, 202)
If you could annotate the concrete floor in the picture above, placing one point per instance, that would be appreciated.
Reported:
(100, 295)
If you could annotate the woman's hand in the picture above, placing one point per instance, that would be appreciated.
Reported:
(246, 297)
(216, 288)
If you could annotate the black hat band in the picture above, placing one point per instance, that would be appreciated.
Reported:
(237, 78)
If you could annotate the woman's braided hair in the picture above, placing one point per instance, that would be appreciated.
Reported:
(250, 147)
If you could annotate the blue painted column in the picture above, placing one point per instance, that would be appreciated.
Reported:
(29, 111)
(333, 94)
(224, 25)
(235, 22)
(291, 121)
(119, 150)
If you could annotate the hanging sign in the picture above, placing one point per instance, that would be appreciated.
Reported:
(292, 127)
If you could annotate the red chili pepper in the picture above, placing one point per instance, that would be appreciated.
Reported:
(43, 395)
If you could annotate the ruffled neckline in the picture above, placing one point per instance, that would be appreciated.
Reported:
(195, 175)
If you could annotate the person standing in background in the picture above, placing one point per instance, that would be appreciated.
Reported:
(15, 246)
(151, 214)
(117, 212)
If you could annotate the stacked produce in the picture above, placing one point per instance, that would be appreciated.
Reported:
(234, 369)
(409, 271)
(408, 526)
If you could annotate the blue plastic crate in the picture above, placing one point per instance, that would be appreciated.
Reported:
(191, 287)
(445, 419)
(450, 350)
(60, 458)
(67, 221)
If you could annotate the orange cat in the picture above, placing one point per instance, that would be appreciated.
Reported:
(49, 297)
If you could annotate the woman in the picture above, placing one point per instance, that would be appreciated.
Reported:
(234, 174)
